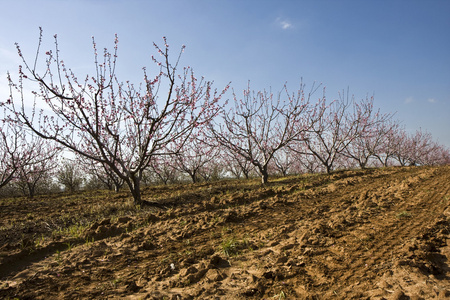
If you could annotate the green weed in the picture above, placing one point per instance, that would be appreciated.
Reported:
(58, 257)
(69, 246)
(229, 247)
(404, 214)
(280, 296)
(39, 241)
(74, 231)
(89, 241)
(115, 282)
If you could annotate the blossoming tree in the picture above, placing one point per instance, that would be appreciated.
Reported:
(340, 123)
(259, 126)
(120, 125)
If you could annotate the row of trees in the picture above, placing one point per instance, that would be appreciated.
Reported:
(204, 163)
(174, 123)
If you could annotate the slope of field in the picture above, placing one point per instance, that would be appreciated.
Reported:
(372, 234)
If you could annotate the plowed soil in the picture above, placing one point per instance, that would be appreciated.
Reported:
(364, 234)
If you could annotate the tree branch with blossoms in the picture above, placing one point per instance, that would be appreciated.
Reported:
(117, 124)
(258, 126)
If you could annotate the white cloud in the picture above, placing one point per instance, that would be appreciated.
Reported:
(432, 100)
(284, 24)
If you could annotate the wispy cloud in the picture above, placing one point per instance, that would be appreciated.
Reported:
(410, 100)
(284, 24)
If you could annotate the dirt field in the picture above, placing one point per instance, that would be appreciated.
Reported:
(373, 234)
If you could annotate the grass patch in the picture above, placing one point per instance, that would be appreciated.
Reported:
(229, 247)
(73, 231)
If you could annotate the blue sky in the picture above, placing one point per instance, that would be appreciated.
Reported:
(398, 51)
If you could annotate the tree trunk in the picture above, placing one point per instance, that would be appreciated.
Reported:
(264, 175)
(362, 164)
(134, 183)
(193, 177)
(264, 178)
(31, 189)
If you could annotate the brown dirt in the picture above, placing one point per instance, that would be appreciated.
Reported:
(373, 234)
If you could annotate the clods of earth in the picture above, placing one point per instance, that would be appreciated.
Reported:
(358, 234)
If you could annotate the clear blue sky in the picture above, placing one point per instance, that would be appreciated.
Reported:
(397, 50)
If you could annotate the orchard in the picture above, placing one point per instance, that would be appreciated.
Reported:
(173, 126)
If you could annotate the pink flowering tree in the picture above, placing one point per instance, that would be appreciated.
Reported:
(101, 173)
(24, 157)
(214, 169)
(260, 124)
(401, 147)
(371, 129)
(39, 168)
(419, 149)
(236, 164)
(12, 141)
(120, 125)
(340, 123)
(15, 150)
(422, 148)
(285, 161)
(442, 156)
(389, 134)
(195, 156)
(163, 171)
(71, 175)
(310, 164)
(436, 155)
